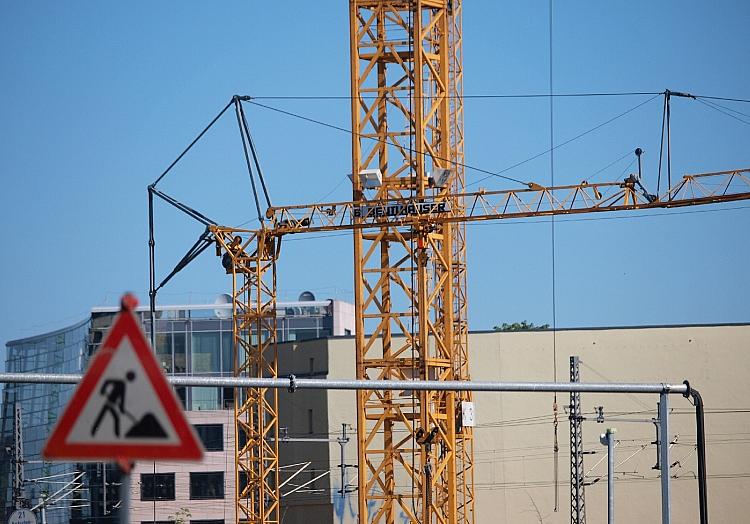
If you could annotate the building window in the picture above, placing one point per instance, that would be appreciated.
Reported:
(206, 485)
(157, 486)
(211, 435)
(228, 398)
(180, 360)
(205, 398)
(164, 351)
(182, 395)
(206, 352)
(227, 352)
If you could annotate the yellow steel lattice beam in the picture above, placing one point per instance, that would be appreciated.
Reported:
(404, 278)
(250, 259)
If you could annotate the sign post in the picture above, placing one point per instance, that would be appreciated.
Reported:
(124, 408)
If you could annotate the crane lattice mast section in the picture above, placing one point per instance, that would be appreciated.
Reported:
(250, 259)
(403, 73)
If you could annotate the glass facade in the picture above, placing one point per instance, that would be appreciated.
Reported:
(190, 340)
(63, 351)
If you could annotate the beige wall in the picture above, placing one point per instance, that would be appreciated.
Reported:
(514, 459)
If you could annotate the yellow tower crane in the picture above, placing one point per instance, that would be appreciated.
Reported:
(408, 216)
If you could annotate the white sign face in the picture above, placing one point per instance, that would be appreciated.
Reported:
(123, 407)
(467, 414)
(22, 516)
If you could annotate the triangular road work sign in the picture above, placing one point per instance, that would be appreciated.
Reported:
(123, 409)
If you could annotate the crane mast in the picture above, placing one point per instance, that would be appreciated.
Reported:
(408, 295)
(250, 259)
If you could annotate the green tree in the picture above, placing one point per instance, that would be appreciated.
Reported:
(520, 326)
(181, 516)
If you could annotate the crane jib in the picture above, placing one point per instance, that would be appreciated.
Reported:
(399, 209)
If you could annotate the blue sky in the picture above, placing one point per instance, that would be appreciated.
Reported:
(98, 98)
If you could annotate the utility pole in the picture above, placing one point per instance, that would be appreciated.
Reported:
(663, 408)
(343, 440)
(43, 508)
(608, 440)
(104, 488)
(577, 490)
(18, 477)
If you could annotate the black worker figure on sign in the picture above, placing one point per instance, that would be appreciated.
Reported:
(114, 390)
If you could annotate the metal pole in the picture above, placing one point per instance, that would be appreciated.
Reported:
(661, 144)
(669, 148)
(385, 385)
(664, 457)
(638, 153)
(342, 442)
(608, 440)
(151, 267)
(104, 488)
(701, 430)
(18, 459)
(154, 477)
(125, 497)
(577, 490)
(610, 476)
(657, 440)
